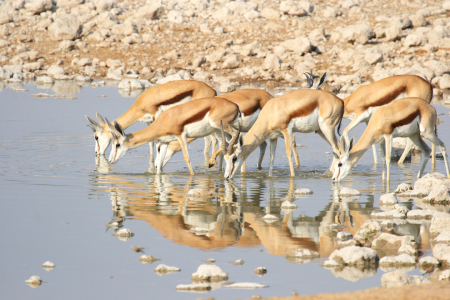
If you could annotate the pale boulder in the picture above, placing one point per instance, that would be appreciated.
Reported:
(400, 278)
(66, 27)
(354, 255)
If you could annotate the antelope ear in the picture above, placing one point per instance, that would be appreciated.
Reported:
(112, 128)
(321, 81)
(350, 146)
(95, 124)
(119, 128)
(100, 119)
(335, 155)
(342, 143)
(114, 135)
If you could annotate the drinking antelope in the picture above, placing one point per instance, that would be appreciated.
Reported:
(406, 117)
(298, 111)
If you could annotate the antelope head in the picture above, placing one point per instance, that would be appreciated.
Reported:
(102, 134)
(233, 159)
(343, 166)
(119, 142)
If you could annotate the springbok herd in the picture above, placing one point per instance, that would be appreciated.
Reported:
(179, 112)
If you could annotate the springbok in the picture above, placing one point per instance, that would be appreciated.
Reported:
(193, 119)
(298, 111)
(365, 100)
(251, 102)
(148, 106)
(406, 117)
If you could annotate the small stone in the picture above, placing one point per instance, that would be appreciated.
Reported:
(34, 281)
(420, 214)
(209, 273)
(344, 236)
(48, 266)
(442, 253)
(408, 249)
(443, 237)
(388, 199)
(147, 259)
(210, 261)
(260, 271)
(398, 261)
(330, 264)
(245, 285)
(124, 232)
(354, 255)
(428, 261)
(303, 192)
(163, 269)
(237, 262)
(439, 275)
(194, 287)
(200, 193)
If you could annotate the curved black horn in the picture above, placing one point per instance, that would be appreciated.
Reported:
(234, 140)
(309, 79)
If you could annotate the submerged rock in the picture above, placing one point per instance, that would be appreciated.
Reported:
(209, 273)
(288, 204)
(245, 285)
(427, 262)
(439, 223)
(124, 234)
(301, 255)
(440, 275)
(397, 261)
(194, 287)
(48, 266)
(163, 269)
(34, 281)
(354, 255)
(402, 187)
(368, 231)
(388, 199)
(303, 192)
(237, 262)
(391, 242)
(200, 193)
(399, 278)
(260, 271)
(344, 236)
(147, 259)
(442, 253)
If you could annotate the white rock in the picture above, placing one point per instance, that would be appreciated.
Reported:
(373, 58)
(175, 16)
(44, 80)
(344, 236)
(303, 192)
(439, 223)
(360, 33)
(5, 17)
(408, 249)
(31, 67)
(209, 273)
(397, 261)
(194, 287)
(368, 231)
(104, 5)
(443, 237)
(81, 78)
(300, 45)
(34, 281)
(270, 14)
(169, 78)
(271, 62)
(419, 214)
(354, 255)
(439, 194)
(291, 8)
(48, 265)
(69, 3)
(348, 192)
(231, 62)
(399, 278)
(330, 264)
(403, 187)
(38, 6)
(428, 261)
(65, 27)
(54, 70)
(166, 269)
(444, 83)
(130, 84)
(387, 241)
(245, 285)
(226, 87)
(393, 33)
(260, 271)
(147, 259)
(416, 193)
(442, 253)
(388, 199)
(154, 11)
(414, 40)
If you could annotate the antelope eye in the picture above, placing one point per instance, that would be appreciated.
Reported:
(96, 138)
(117, 145)
(234, 158)
(339, 164)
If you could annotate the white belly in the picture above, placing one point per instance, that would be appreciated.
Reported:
(199, 129)
(306, 124)
(407, 130)
(246, 121)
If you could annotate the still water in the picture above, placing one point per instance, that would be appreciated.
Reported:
(58, 200)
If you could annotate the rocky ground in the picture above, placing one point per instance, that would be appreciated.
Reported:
(226, 43)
